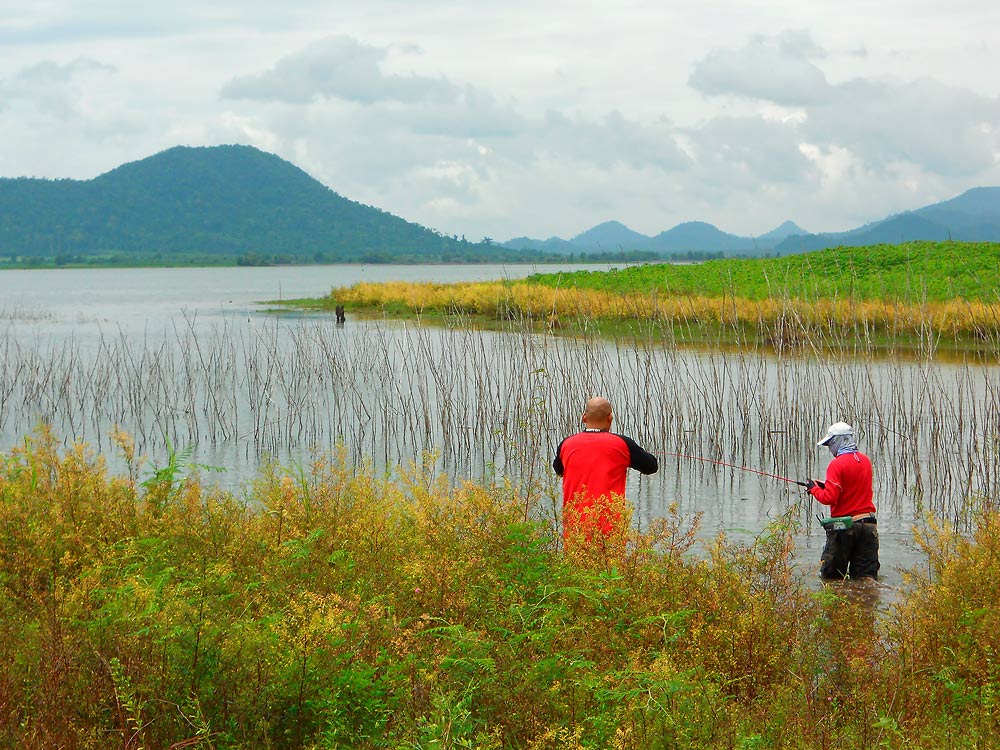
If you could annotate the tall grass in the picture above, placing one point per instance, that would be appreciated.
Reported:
(330, 608)
(836, 324)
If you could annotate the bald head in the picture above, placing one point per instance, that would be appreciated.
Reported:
(598, 414)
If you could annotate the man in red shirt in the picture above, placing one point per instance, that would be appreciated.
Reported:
(850, 552)
(593, 464)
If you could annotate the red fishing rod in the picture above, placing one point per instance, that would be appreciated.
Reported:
(734, 466)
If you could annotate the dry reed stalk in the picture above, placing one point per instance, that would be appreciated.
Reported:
(500, 401)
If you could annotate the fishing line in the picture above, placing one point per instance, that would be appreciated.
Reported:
(733, 466)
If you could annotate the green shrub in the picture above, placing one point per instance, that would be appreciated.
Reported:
(330, 608)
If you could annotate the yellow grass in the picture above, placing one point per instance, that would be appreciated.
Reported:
(501, 300)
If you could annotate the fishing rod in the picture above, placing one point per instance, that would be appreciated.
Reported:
(734, 466)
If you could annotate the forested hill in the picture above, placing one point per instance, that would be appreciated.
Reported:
(221, 200)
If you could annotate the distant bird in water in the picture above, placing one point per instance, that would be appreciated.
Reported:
(341, 317)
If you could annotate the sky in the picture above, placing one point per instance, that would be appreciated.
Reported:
(514, 118)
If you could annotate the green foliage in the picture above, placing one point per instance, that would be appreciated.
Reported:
(913, 272)
(166, 481)
(329, 608)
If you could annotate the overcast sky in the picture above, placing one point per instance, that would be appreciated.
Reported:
(514, 118)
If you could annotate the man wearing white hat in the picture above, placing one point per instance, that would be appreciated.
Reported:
(851, 548)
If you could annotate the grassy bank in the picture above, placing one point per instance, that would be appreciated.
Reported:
(914, 273)
(884, 297)
(330, 608)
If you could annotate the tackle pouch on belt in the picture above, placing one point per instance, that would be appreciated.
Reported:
(840, 523)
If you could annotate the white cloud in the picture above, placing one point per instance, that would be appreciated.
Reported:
(610, 140)
(338, 67)
(940, 128)
(449, 155)
(422, 157)
(777, 69)
(473, 113)
(750, 151)
(52, 88)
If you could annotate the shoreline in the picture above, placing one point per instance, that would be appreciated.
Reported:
(740, 335)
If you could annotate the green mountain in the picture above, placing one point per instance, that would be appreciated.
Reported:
(690, 237)
(973, 216)
(699, 235)
(212, 201)
(787, 229)
(609, 236)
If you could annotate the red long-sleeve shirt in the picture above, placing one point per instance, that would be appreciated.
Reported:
(848, 486)
(593, 465)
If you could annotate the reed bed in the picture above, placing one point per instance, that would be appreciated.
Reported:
(781, 321)
(497, 402)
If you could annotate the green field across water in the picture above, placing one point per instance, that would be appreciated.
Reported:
(913, 272)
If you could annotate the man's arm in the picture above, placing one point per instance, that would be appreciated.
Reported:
(639, 458)
(829, 493)
(557, 463)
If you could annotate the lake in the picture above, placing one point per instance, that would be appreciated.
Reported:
(189, 354)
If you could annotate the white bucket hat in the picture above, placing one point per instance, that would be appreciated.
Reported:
(837, 428)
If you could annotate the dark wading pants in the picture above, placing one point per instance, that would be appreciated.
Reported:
(851, 553)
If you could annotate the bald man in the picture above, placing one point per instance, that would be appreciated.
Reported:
(593, 464)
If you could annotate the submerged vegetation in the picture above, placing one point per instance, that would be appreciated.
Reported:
(326, 607)
(499, 403)
(884, 297)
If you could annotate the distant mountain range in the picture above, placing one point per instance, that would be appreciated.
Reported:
(692, 236)
(239, 203)
(233, 201)
(973, 216)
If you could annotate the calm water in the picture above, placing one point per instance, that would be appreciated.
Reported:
(188, 353)
(86, 303)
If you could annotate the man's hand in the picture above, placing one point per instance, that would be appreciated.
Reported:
(813, 483)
